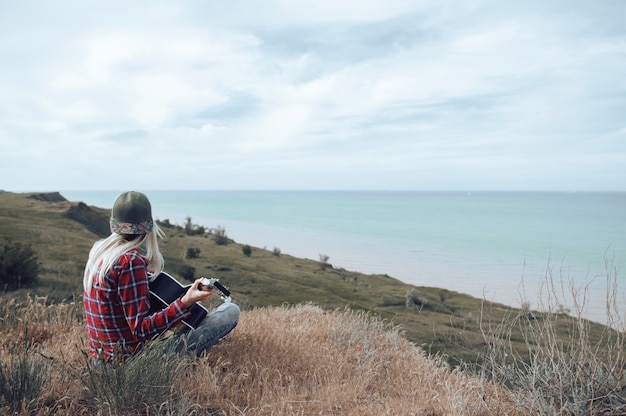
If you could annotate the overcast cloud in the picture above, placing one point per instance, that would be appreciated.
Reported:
(313, 94)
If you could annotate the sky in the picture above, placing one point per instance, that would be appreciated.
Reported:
(313, 94)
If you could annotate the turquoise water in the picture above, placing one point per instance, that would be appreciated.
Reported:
(496, 245)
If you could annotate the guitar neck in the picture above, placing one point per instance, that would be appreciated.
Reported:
(223, 290)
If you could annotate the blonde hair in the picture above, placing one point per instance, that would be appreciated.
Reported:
(106, 253)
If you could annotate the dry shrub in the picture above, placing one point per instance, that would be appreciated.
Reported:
(568, 370)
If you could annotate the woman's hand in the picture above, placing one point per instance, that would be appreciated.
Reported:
(194, 294)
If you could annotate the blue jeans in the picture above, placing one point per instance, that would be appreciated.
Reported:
(215, 326)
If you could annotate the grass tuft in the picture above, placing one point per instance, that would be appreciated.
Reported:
(22, 380)
(141, 385)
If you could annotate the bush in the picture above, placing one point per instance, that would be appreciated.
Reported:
(188, 273)
(413, 299)
(165, 223)
(247, 250)
(220, 237)
(324, 264)
(18, 265)
(276, 252)
(193, 252)
(193, 229)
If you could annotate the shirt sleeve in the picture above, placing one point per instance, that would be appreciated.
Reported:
(134, 296)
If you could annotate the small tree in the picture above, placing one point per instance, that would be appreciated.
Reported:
(188, 226)
(324, 264)
(247, 250)
(276, 252)
(18, 265)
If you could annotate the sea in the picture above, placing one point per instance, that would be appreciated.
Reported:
(558, 250)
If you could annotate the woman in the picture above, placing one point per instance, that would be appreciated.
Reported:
(116, 292)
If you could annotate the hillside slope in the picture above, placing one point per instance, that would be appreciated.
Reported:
(62, 232)
(311, 339)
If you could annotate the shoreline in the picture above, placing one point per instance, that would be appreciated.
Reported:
(428, 269)
(484, 274)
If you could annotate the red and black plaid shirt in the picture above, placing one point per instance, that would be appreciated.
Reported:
(117, 310)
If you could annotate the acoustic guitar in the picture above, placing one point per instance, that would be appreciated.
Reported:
(164, 290)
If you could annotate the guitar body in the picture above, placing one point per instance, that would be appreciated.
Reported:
(164, 290)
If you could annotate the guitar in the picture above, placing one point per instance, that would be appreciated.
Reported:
(164, 289)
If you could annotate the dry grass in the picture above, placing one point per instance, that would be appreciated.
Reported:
(567, 368)
(297, 360)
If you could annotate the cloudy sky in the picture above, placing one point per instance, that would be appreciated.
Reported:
(313, 94)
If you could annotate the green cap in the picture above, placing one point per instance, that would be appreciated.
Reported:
(131, 214)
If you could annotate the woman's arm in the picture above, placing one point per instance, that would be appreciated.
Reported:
(134, 295)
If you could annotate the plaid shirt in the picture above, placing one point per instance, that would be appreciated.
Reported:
(117, 311)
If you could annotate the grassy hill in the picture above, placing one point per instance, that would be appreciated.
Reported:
(312, 338)
(442, 321)
(62, 232)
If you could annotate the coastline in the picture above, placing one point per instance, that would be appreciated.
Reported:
(514, 284)
(447, 326)
(292, 222)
